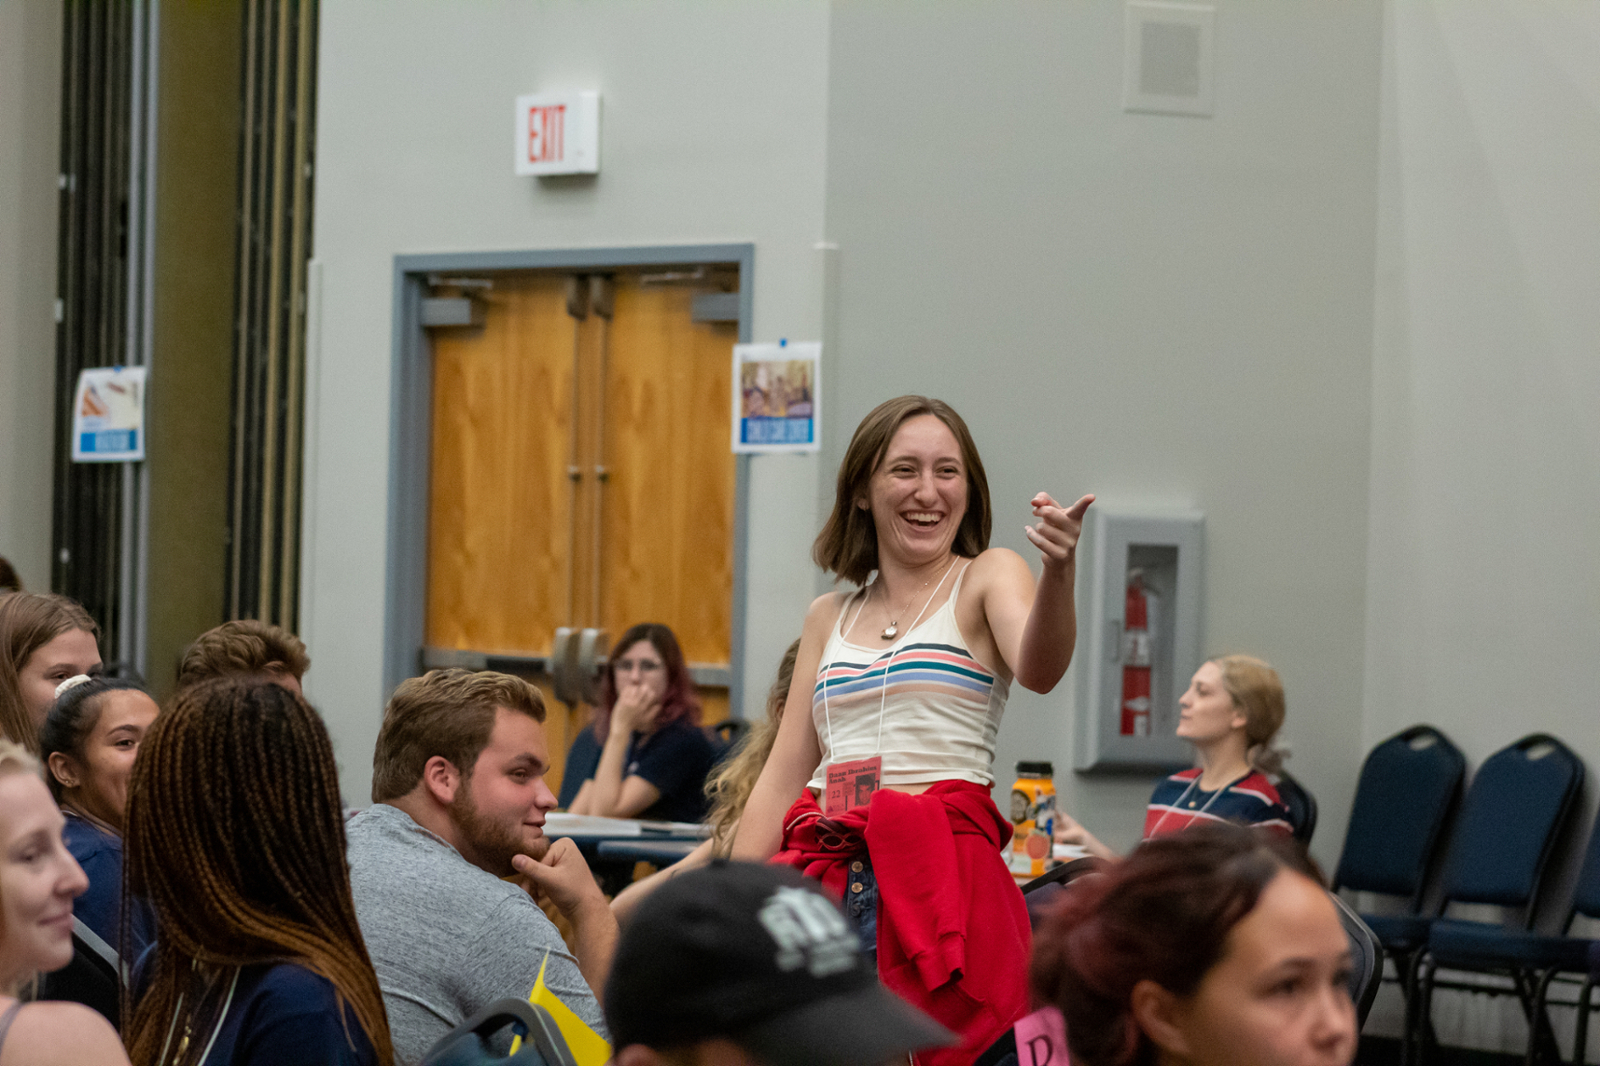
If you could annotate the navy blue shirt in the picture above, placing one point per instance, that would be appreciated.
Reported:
(583, 759)
(282, 1013)
(99, 852)
(675, 759)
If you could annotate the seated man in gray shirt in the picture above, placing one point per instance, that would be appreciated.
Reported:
(459, 801)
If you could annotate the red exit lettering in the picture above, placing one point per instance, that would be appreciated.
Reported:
(546, 129)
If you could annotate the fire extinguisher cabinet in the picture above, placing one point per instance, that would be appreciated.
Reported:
(1138, 637)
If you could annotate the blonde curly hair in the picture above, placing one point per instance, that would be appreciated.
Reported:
(729, 786)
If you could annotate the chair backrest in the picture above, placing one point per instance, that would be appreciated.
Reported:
(1586, 893)
(1513, 814)
(1302, 807)
(1366, 960)
(1408, 786)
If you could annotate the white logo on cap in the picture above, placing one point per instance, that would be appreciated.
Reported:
(809, 931)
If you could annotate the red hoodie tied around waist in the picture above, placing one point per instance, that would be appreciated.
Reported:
(943, 889)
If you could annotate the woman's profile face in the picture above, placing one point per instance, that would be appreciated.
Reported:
(1207, 711)
(39, 879)
(98, 783)
(65, 655)
(1280, 994)
(918, 493)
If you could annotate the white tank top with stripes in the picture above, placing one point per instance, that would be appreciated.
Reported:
(923, 703)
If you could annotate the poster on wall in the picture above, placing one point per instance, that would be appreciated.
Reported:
(776, 400)
(108, 415)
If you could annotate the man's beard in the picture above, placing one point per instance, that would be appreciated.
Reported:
(491, 843)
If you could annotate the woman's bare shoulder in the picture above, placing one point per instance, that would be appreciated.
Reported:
(825, 608)
(62, 1034)
(1001, 564)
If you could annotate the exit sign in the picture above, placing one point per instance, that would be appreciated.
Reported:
(558, 133)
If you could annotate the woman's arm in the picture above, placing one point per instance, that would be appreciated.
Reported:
(1036, 626)
(796, 752)
(613, 795)
(583, 802)
(1070, 831)
(629, 898)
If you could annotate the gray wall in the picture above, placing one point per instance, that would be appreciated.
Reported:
(1158, 309)
(712, 131)
(1483, 597)
(30, 121)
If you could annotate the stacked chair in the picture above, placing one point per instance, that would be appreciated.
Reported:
(1510, 821)
(1529, 959)
(1408, 788)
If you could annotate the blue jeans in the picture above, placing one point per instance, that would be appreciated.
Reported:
(861, 905)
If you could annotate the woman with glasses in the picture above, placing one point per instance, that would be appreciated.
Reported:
(653, 755)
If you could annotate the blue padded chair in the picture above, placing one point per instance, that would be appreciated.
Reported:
(1302, 807)
(1408, 787)
(1530, 959)
(1513, 814)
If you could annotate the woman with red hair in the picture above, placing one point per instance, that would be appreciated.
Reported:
(653, 755)
(1217, 946)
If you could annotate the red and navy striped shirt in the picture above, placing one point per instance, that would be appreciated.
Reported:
(1179, 802)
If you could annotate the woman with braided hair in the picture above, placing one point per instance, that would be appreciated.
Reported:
(234, 834)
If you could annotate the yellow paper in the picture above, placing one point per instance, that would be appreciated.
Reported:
(586, 1045)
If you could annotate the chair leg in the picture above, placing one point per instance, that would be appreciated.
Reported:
(1539, 1029)
(1420, 1023)
(1405, 977)
(1580, 1049)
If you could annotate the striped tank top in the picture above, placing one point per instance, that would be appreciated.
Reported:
(937, 708)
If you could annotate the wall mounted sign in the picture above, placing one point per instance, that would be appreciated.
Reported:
(776, 401)
(558, 133)
(108, 415)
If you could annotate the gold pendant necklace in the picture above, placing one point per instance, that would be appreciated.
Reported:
(892, 630)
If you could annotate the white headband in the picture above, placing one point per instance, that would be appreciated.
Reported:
(71, 683)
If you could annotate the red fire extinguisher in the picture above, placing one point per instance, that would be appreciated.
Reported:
(1136, 658)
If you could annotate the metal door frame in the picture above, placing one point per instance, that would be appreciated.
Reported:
(411, 406)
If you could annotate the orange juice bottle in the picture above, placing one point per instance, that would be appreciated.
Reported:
(1033, 818)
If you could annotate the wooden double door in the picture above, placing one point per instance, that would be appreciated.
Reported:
(581, 473)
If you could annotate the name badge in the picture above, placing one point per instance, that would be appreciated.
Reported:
(851, 784)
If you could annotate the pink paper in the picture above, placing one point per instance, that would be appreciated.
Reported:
(1041, 1039)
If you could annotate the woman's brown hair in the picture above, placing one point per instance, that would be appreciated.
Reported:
(236, 836)
(730, 784)
(29, 621)
(848, 543)
(1163, 915)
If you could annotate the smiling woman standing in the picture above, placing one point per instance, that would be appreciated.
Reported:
(897, 697)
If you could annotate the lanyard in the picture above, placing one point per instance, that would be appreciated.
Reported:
(894, 649)
(1205, 807)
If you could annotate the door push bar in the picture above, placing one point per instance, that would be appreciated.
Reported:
(576, 658)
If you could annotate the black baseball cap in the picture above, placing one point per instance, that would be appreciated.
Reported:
(759, 956)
